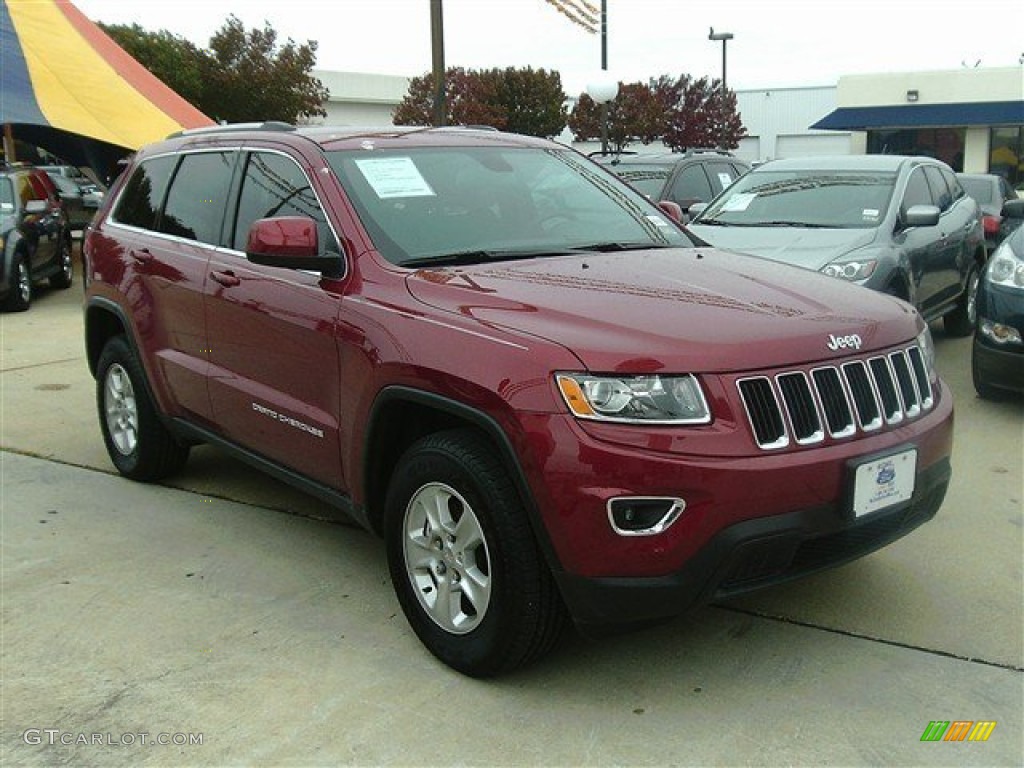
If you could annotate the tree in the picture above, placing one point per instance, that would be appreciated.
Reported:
(241, 77)
(520, 100)
(171, 58)
(248, 77)
(634, 115)
(701, 118)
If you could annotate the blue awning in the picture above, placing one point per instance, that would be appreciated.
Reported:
(924, 116)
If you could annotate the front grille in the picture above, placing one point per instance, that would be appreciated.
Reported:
(838, 401)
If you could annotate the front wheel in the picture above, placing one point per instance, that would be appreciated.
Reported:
(139, 444)
(20, 297)
(463, 559)
(960, 322)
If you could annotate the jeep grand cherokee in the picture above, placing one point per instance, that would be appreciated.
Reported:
(550, 402)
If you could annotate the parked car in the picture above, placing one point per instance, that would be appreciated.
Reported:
(547, 397)
(900, 225)
(997, 357)
(990, 191)
(35, 240)
(685, 178)
(1010, 217)
(82, 197)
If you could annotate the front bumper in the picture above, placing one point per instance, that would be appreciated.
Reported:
(1000, 368)
(751, 555)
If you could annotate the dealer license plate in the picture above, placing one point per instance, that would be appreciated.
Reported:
(883, 482)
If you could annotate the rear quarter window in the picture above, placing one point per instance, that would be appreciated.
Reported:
(144, 193)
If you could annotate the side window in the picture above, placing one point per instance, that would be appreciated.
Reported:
(140, 201)
(691, 186)
(940, 191)
(722, 175)
(956, 189)
(195, 201)
(918, 192)
(274, 185)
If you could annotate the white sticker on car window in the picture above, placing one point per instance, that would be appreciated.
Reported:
(724, 179)
(870, 213)
(394, 177)
(739, 202)
(657, 221)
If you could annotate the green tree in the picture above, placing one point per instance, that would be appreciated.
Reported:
(249, 77)
(533, 101)
(243, 76)
(171, 58)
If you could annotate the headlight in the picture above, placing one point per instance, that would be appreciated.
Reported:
(854, 270)
(650, 399)
(1005, 268)
(924, 341)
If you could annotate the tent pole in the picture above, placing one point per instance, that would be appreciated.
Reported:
(8, 144)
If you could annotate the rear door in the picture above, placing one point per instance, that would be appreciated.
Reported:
(42, 228)
(274, 383)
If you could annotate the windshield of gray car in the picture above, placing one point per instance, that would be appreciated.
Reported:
(819, 198)
(493, 203)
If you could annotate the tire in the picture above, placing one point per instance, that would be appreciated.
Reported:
(960, 322)
(66, 276)
(20, 297)
(139, 444)
(463, 559)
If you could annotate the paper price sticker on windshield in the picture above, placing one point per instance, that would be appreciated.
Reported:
(739, 202)
(394, 177)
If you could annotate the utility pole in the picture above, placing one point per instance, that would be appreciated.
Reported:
(437, 48)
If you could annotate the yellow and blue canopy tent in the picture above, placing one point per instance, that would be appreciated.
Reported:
(66, 87)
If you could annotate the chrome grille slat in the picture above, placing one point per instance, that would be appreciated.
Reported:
(860, 395)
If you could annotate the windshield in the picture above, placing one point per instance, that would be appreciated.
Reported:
(833, 199)
(483, 203)
(6, 195)
(648, 179)
(980, 189)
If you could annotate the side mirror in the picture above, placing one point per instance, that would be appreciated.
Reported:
(290, 242)
(1013, 209)
(36, 206)
(921, 216)
(696, 209)
(672, 209)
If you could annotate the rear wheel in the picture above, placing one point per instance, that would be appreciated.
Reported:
(139, 444)
(20, 297)
(463, 560)
(960, 322)
(65, 277)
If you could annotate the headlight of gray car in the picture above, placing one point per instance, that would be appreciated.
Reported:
(1005, 268)
(853, 270)
(644, 399)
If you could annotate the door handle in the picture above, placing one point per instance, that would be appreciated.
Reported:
(227, 279)
(142, 256)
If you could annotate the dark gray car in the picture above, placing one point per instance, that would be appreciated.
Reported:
(901, 225)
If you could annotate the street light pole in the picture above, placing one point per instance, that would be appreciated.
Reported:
(437, 49)
(725, 37)
(604, 68)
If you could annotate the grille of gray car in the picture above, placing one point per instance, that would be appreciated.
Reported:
(838, 401)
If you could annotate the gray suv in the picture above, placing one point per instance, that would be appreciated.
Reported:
(901, 225)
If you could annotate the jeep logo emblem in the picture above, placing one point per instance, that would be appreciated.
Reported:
(835, 343)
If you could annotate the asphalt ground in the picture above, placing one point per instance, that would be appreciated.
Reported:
(236, 620)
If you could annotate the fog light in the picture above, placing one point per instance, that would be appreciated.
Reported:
(643, 516)
(999, 333)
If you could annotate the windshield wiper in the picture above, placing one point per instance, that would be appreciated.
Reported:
(480, 256)
(614, 247)
(800, 224)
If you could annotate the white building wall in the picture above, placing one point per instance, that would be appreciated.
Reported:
(777, 123)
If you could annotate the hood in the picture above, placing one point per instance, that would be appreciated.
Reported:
(802, 247)
(675, 310)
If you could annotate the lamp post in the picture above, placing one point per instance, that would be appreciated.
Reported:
(725, 37)
(602, 90)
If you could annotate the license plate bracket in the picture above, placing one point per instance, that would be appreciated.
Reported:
(884, 481)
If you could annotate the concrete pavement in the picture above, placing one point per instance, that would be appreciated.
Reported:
(200, 609)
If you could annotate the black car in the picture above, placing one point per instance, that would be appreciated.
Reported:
(35, 238)
(997, 357)
(900, 225)
(684, 178)
(991, 191)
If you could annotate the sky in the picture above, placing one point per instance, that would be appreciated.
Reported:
(776, 44)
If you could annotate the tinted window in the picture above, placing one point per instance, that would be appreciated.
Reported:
(722, 175)
(195, 201)
(691, 186)
(144, 193)
(955, 188)
(918, 192)
(940, 191)
(275, 186)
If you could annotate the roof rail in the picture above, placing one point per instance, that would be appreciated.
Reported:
(266, 125)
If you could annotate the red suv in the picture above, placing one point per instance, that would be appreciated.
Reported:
(525, 376)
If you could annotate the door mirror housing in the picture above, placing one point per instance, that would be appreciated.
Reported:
(921, 216)
(1013, 209)
(290, 242)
